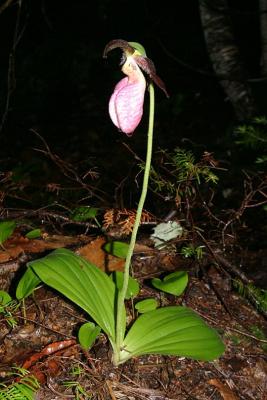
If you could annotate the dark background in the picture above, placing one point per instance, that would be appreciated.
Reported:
(63, 84)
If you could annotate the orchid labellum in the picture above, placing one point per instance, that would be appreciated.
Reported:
(127, 100)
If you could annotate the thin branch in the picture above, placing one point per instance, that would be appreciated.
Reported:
(247, 202)
(68, 170)
(42, 213)
(233, 269)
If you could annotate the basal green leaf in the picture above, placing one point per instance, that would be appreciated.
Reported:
(117, 248)
(27, 284)
(87, 334)
(174, 283)
(6, 230)
(172, 331)
(146, 305)
(81, 282)
(133, 286)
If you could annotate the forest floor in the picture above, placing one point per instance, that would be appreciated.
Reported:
(43, 335)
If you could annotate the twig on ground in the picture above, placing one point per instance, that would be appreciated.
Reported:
(42, 213)
(69, 171)
(250, 200)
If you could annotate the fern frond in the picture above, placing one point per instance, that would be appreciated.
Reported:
(23, 390)
(254, 294)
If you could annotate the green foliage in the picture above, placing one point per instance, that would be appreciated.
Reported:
(184, 163)
(7, 308)
(133, 286)
(78, 390)
(5, 298)
(192, 252)
(81, 214)
(254, 136)
(169, 330)
(117, 248)
(81, 282)
(174, 283)
(25, 389)
(172, 330)
(146, 305)
(33, 234)
(27, 284)
(6, 230)
(179, 173)
(186, 168)
(257, 296)
(234, 339)
(87, 334)
(259, 333)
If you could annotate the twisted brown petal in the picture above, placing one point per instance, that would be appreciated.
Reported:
(118, 43)
(145, 63)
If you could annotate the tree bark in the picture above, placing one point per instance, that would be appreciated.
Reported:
(225, 56)
(263, 27)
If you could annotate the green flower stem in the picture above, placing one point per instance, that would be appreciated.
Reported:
(120, 304)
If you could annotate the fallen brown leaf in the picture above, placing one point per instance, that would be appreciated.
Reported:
(224, 390)
(94, 253)
(18, 245)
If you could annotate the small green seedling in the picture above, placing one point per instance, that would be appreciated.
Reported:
(7, 308)
(174, 283)
(117, 248)
(79, 391)
(192, 252)
(5, 298)
(34, 234)
(6, 230)
(87, 335)
(83, 213)
(146, 305)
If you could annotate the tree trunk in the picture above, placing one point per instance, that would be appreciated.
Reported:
(263, 25)
(225, 57)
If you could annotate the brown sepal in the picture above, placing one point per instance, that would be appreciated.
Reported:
(145, 63)
(148, 66)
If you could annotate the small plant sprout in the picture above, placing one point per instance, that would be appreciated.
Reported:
(173, 330)
(6, 230)
(192, 251)
(8, 308)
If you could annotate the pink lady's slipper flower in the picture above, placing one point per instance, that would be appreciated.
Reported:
(127, 100)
